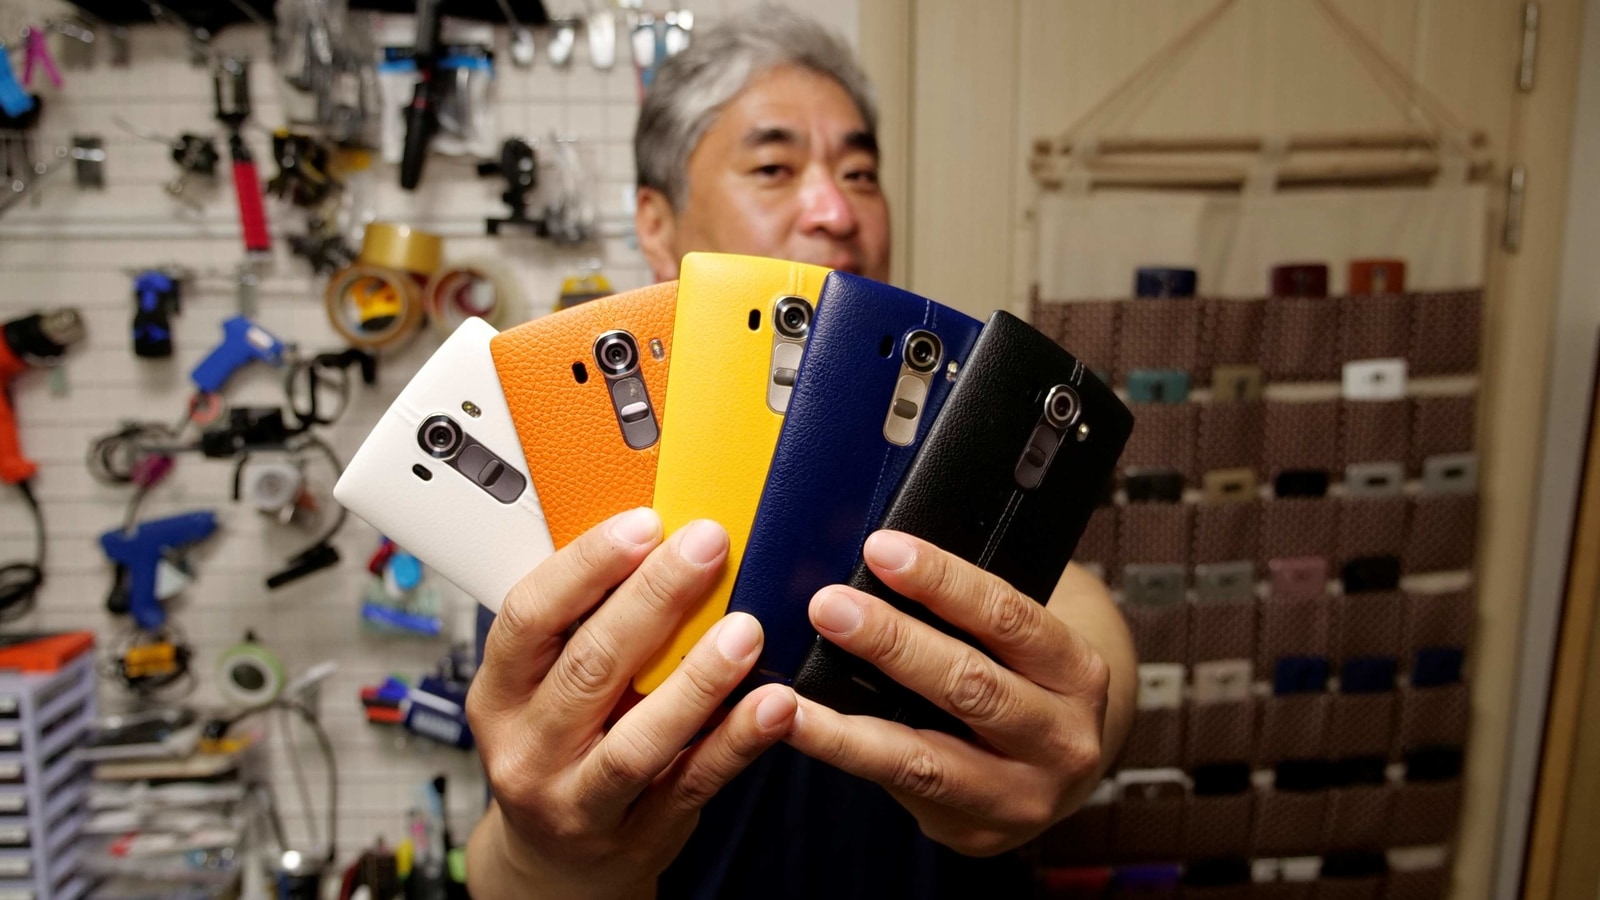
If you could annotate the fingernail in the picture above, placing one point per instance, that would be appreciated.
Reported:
(737, 637)
(637, 526)
(702, 542)
(890, 551)
(838, 614)
(775, 707)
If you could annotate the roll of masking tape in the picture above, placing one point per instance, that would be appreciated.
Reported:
(400, 247)
(374, 308)
(250, 675)
(482, 287)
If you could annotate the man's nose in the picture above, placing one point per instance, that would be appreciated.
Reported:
(824, 206)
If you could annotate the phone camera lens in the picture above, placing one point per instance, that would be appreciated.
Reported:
(440, 436)
(1062, 407)
(793, 317)
(922, 351)
(616, 352)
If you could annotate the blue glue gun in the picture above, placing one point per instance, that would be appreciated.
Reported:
(243, 342)
(140, 552)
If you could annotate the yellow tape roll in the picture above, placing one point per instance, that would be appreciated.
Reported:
(393, 246)
(374, 308)
(484, 287)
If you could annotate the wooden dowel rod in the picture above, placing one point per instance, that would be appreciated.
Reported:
(1332, 141)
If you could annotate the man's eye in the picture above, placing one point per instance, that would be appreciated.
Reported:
(862, 176)
(771, 170)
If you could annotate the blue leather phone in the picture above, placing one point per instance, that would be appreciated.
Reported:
(856, 417)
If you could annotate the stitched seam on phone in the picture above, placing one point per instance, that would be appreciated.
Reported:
(1000, 529)
(873, 515)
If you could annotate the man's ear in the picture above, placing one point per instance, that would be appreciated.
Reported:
(657, 227)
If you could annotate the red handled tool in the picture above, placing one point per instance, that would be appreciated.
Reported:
(231, 83)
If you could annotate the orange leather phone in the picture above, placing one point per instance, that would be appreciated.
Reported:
(741, 327)
(587, 387)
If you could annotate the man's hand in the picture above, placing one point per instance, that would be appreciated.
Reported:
(1046, 709)
(583, 811)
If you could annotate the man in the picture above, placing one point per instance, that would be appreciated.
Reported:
(760, 139)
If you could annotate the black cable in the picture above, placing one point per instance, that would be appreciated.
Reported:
(216, 729)
(321, 553)
(20, 582)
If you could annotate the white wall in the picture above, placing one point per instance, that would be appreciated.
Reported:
(78, 248)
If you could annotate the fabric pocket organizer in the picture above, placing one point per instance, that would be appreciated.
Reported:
(1375, 326)
(1224, 532)
(1445, 329)
(1289, 823)
(1375, 430)
(1368, 624)
(1231, 435)
(1155, 533)
(1218, 825)
(1160, 633)
(1361, 725)
(1358, 817)
(1300, 434)
(1439, 425)
(1299, 339)
(1299, 526)
(1159, 334)
(1291, 628)
(1437, 620)
(1164, 437)
(1424, 812)
(1221, 631)
(1433, 716)
(1230, 333)
(1443, 533)
(1371, 526)
(1293, 726)
(1155, 740)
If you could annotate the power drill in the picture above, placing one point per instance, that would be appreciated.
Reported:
(34, 341)
(139, 553)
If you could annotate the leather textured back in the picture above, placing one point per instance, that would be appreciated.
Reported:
(834, 471)
(583, 469)
(482, 545)
(961, 494)
(718, 434)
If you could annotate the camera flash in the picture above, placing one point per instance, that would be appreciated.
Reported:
(471, 409)
(657, 352)
(1083, 432)
(951, 370)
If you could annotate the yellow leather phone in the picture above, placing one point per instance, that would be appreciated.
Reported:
(738, 335)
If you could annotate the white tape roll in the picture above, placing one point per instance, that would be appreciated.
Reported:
(483, 287)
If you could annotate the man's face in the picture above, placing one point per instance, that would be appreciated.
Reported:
(787, 170)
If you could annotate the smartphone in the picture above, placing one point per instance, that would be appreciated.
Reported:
(1377, 276)
(1159, 282)
(1154, 486)
(877, 367)
(1300, 280)
(586, 387)
(1158, 386)
(1006, 479)
(740, 330)
(442, 473)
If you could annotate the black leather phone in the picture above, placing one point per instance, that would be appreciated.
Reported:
(1006, 479)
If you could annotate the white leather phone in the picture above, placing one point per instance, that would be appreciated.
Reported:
(443, 474)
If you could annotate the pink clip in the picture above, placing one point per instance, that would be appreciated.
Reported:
(38, 53)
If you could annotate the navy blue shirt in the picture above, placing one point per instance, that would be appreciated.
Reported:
(791, 827)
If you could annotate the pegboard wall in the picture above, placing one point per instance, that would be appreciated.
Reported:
(80, 248)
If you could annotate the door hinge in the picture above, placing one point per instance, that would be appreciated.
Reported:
(1516, 189)
(1530, 46)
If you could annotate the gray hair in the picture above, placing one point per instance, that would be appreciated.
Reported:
(691, 88)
